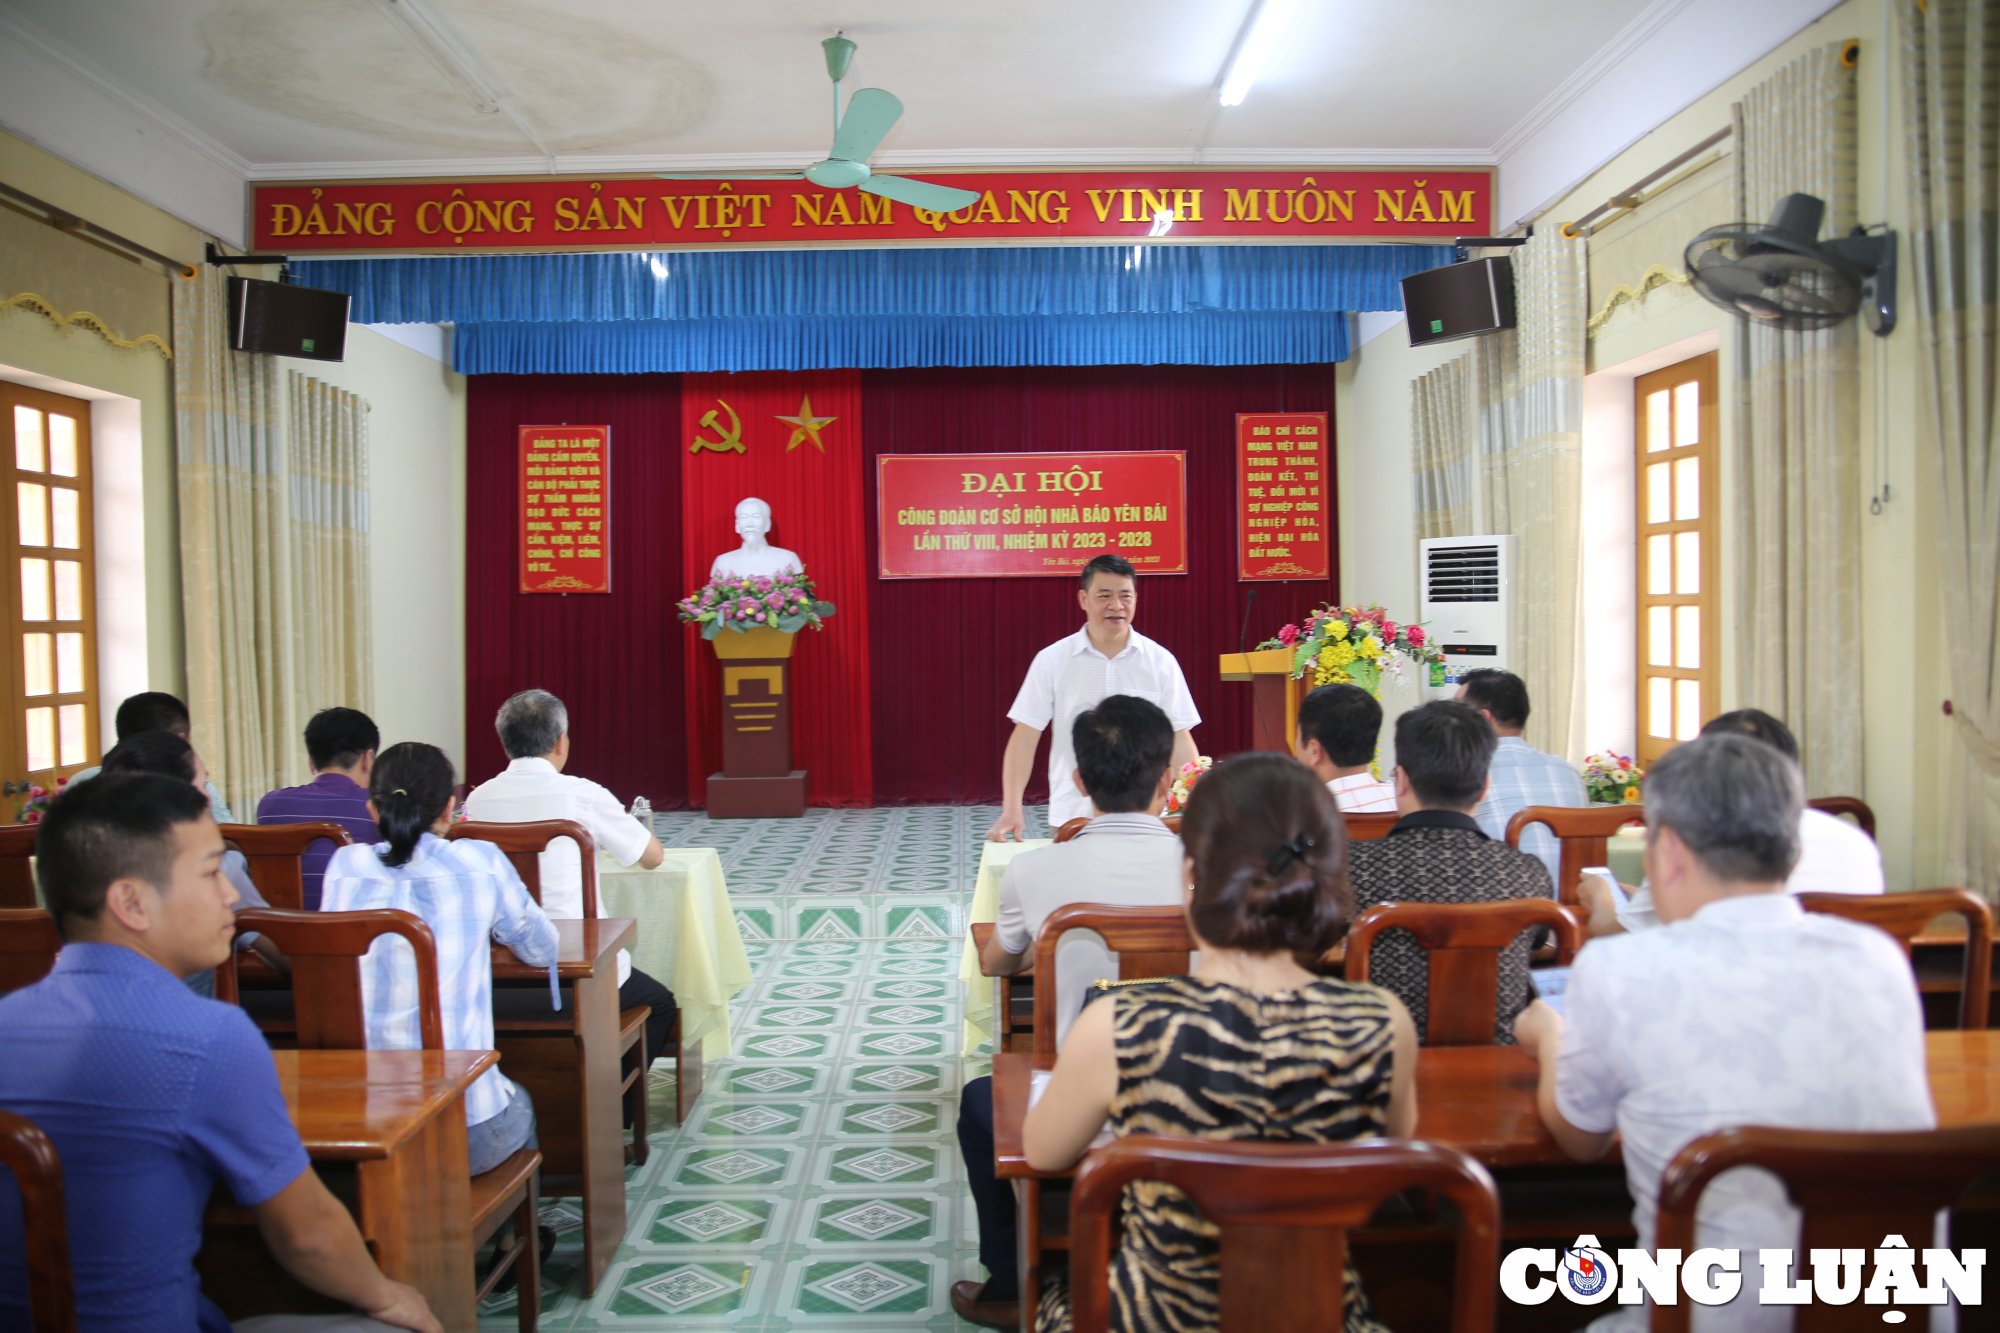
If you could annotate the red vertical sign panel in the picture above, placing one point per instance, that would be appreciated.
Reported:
(1284, 526)
(565, 521)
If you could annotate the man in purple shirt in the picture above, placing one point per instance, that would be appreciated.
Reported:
(341, 744)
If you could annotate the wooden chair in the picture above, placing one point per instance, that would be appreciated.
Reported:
(28, 946)
(276, 856)
(325, 951)
(1584, 831)
(1149, 942)
(1463, 942)
(1851, 1191)
(1284, 1210)
(1852, 806)
(1072, 827)
(523, 845)
(1369, 828)
(27, 1152)
(1904, 915)
(17, 865)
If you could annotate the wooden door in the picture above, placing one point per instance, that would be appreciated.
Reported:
(48, 610)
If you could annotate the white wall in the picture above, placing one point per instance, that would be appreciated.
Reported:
(416, 498)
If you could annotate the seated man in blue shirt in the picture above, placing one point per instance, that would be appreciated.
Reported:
(341, 745)
(1522, 775)
(153, 1096)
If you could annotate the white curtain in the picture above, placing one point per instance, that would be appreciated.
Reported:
(1441, 445)
(273, 552)
(1951, 85)
(328, 455)
(1795, 477)
(1527, 395)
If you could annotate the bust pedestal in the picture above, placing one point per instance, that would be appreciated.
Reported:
(757, 780)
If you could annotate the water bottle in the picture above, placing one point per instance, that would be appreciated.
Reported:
(642, 810)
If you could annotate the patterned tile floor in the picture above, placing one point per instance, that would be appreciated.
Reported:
(817, 1185)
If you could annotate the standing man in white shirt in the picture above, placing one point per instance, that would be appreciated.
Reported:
(534, 730)
(1107, 656)
(1339, 726)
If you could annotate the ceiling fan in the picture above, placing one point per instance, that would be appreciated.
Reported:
(871, 114)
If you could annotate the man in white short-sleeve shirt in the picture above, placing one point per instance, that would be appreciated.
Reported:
(534, 730)
(1741, 1009)
(1106, 657)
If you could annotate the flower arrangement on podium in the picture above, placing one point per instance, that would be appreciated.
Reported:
(783, 602)
(1355, 645)
(1190, 773)
(1612, 779)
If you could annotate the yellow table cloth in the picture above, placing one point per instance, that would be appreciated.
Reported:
(687, 936)
(980, 990)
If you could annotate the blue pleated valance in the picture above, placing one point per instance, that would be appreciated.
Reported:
(813, 309)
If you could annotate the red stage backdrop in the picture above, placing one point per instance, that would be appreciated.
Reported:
(1285, 525)
(793, 441)
(954, 651)
(614, 659)
(565, 491)
(1016, 515)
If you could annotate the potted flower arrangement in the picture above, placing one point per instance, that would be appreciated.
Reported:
(31, 810)
(785, 603)
(1191, 772)
(1354, 645)
(1612, 779)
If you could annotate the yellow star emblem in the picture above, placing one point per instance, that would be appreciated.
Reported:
(806, 426)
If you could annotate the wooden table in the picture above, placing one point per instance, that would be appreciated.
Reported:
(386, 1131)
(568, 1062)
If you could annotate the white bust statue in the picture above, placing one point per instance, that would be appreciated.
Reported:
(756, 556)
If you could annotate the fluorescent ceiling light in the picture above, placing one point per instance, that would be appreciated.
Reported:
(1253, 46)
(451, 59)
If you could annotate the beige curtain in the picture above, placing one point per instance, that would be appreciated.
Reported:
(234, 587)
(1951, 85)
(1527, 395)
(327, 435)
(1795, 466)
(1636, 257)
(1441, 445)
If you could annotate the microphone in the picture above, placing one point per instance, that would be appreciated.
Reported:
(1243, 635)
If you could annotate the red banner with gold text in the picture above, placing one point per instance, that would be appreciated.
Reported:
(1016, 515)
(794, 442)
(565, 509)
(572, 213)
(1283, 526)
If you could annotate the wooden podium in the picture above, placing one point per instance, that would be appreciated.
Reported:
(1274, 695)
(757, 780)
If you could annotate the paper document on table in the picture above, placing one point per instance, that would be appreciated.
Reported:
(1041, 1081)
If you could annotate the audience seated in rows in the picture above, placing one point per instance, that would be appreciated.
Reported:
(169, 755)
(158, 711)
(468, 893)
(1252, 1046)
(1522, 775)
(1439, 853)
(1834, 855)
(1338, 729)
(152, 1096)
(534, 731)
(340, 745)
(1125, 856)
(1740, 1009)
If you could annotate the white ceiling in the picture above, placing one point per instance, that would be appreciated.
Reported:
(181, 101)
(305, 84)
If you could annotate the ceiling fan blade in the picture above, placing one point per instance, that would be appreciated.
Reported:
(731, 175)
(920, 194)
(871, 114)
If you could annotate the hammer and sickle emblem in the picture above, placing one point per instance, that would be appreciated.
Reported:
(730, 439)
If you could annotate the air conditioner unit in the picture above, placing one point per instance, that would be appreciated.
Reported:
(1468, 603)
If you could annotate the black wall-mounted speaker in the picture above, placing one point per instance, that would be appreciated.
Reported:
(283, 320)
(1459, 300)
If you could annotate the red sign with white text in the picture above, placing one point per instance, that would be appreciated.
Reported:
(565, 509)
(571, 213)
(1283, 521)
(1018, 515)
